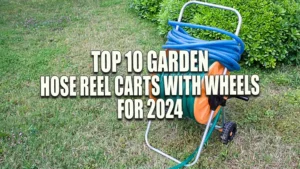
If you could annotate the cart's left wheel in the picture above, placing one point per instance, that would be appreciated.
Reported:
(228, 132)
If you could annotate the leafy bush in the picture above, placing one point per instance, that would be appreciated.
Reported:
(147, 8)
(270, 29)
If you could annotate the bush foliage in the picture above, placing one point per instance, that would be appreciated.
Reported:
(270, 29)
(147, 9)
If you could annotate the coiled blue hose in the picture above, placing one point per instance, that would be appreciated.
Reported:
(227, 52)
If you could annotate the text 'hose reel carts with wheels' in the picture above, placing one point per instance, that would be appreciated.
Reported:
(223, 56)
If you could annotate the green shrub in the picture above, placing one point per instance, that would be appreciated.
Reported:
(147, 8)
(270, 29)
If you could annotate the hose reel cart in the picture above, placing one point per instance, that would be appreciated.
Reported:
(224, 56)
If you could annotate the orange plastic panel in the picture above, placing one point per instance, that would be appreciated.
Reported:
(201, 105)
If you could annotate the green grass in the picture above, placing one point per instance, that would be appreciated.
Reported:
(55, 38)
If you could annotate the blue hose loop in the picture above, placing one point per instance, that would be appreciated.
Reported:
(227, 52)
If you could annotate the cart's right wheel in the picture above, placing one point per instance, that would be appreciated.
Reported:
(228, 132)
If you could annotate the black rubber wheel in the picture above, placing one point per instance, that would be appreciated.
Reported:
(228, 132)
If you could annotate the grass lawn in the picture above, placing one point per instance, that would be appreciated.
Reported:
(55, 38)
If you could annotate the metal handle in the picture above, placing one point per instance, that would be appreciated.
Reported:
(215, 6)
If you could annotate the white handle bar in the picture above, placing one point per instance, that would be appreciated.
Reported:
(215, 6)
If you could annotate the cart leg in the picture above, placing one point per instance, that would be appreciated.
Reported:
(155, 149)
(172, 158)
